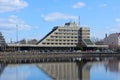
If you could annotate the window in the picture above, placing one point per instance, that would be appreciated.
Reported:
(76, 37)
(56, 33)
(68, 37)
(68, 40)
(64, 43)
(52, 36)
(48, 43)
(56, 43)
(52, 43)
(52, 39)
(76, 40)
(60, 40)
(48, 39)
(60, 43)
(60, 36)
(43, 43)
(71, 36)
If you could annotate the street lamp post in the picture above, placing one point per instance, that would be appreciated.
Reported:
(17, 33)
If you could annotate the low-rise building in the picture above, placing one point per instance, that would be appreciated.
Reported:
(113, 40)
(32, 41)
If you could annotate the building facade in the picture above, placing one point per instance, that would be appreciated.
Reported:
(70, 35)
(113, 40)
(66, 37)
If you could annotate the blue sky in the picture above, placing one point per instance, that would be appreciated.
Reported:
(35, 18)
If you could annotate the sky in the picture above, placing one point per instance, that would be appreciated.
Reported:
(35, 18)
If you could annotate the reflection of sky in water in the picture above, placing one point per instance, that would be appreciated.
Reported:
(100, 72)
(23, 72)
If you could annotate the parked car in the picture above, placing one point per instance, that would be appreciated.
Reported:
(108, 51)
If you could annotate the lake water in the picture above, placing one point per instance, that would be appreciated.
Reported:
(108, 70)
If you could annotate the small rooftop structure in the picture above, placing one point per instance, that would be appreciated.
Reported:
(71, 24)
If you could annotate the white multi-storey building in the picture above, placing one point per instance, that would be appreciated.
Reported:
(68, 35)
(113, 40)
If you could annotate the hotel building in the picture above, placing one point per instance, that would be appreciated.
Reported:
(66, 37)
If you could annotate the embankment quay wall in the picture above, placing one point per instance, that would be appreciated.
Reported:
(33, 57)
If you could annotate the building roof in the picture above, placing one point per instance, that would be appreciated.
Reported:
(47, 35)
(89, 43)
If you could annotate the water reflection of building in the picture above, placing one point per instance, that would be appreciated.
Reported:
(86, 71)
(2, 67)
(66, 70)
(113, 66)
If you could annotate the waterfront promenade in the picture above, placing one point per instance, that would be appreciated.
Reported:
(33, 57)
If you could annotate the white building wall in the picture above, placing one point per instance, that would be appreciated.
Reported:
(119, 40)
(65, 36)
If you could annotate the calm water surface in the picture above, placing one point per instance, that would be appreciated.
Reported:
(23, 72)
(109, 70)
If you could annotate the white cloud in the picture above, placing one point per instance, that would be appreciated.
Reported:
(10, 23)
(117, 20)
(12, 5)
(79, 5)
(116, 27)
(58, 16)
(104, 5)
